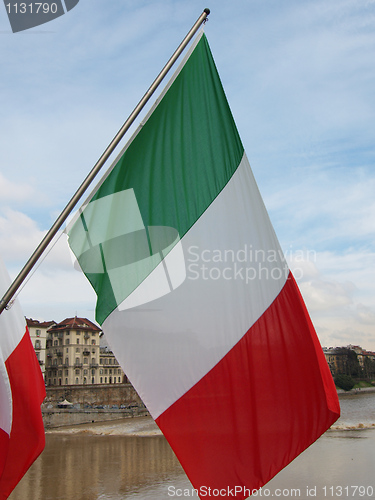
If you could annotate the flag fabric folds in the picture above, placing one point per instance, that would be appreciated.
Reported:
(22, 391)
(195, 296)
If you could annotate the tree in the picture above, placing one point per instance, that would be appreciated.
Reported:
(344, 382)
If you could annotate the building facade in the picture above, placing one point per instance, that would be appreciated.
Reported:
(74, 355)
(110, 371)
(38, 334)
(350, 360)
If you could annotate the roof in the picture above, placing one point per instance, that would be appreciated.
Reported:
(75, 324)
(40, 324)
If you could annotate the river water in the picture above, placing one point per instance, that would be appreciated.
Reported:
(129, 459)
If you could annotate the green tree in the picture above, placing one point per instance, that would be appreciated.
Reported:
(354, 367)
(344, 382)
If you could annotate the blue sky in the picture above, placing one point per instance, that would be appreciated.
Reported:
(300, 80)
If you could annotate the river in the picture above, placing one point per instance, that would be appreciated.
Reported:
(129, 459)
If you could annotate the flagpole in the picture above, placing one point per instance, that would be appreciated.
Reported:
(99, 164)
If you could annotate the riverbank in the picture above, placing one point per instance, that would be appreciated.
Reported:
(90, 403)
(355, 390)
(62, 417)
(86, 413)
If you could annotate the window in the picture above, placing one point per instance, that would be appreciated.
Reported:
(77, 372)
(77, 361)
(85, 361)
(77, 382)
(101, 380)
(66, 381)
(85, 372)
(92, 372)
(37, 344)
(77, 341)
(55, 342)
(67, 341)
(37, 333)
(93, 342)
(77, 349)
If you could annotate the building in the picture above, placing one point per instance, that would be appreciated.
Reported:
(110, 372)
(336, 358)
(74, 355)
(38, 335)
(350, 360)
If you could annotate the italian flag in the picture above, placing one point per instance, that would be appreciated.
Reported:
(195, 296)
(22, 392)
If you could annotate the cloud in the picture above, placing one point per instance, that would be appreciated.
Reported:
(53, 289)
(12, 192)
(19, 235)
(338, 290)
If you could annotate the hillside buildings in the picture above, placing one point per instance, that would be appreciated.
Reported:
(350, 360)
(70, 353)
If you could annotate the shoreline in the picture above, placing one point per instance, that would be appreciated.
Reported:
(56, 418)
(358, 390)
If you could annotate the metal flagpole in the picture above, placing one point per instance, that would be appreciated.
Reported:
(99, 164)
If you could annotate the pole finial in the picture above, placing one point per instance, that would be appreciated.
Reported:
(207, 11)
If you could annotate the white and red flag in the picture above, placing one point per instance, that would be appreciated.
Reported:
(195, 296)
(22, 391)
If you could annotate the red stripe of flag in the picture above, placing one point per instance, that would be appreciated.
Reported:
(267, 400)
(27, 439)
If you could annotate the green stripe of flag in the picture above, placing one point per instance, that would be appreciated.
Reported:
(176, 165)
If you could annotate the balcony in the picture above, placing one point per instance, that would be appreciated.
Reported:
(41, 362)
(86, 352)
(94, 365)
(59, 352)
